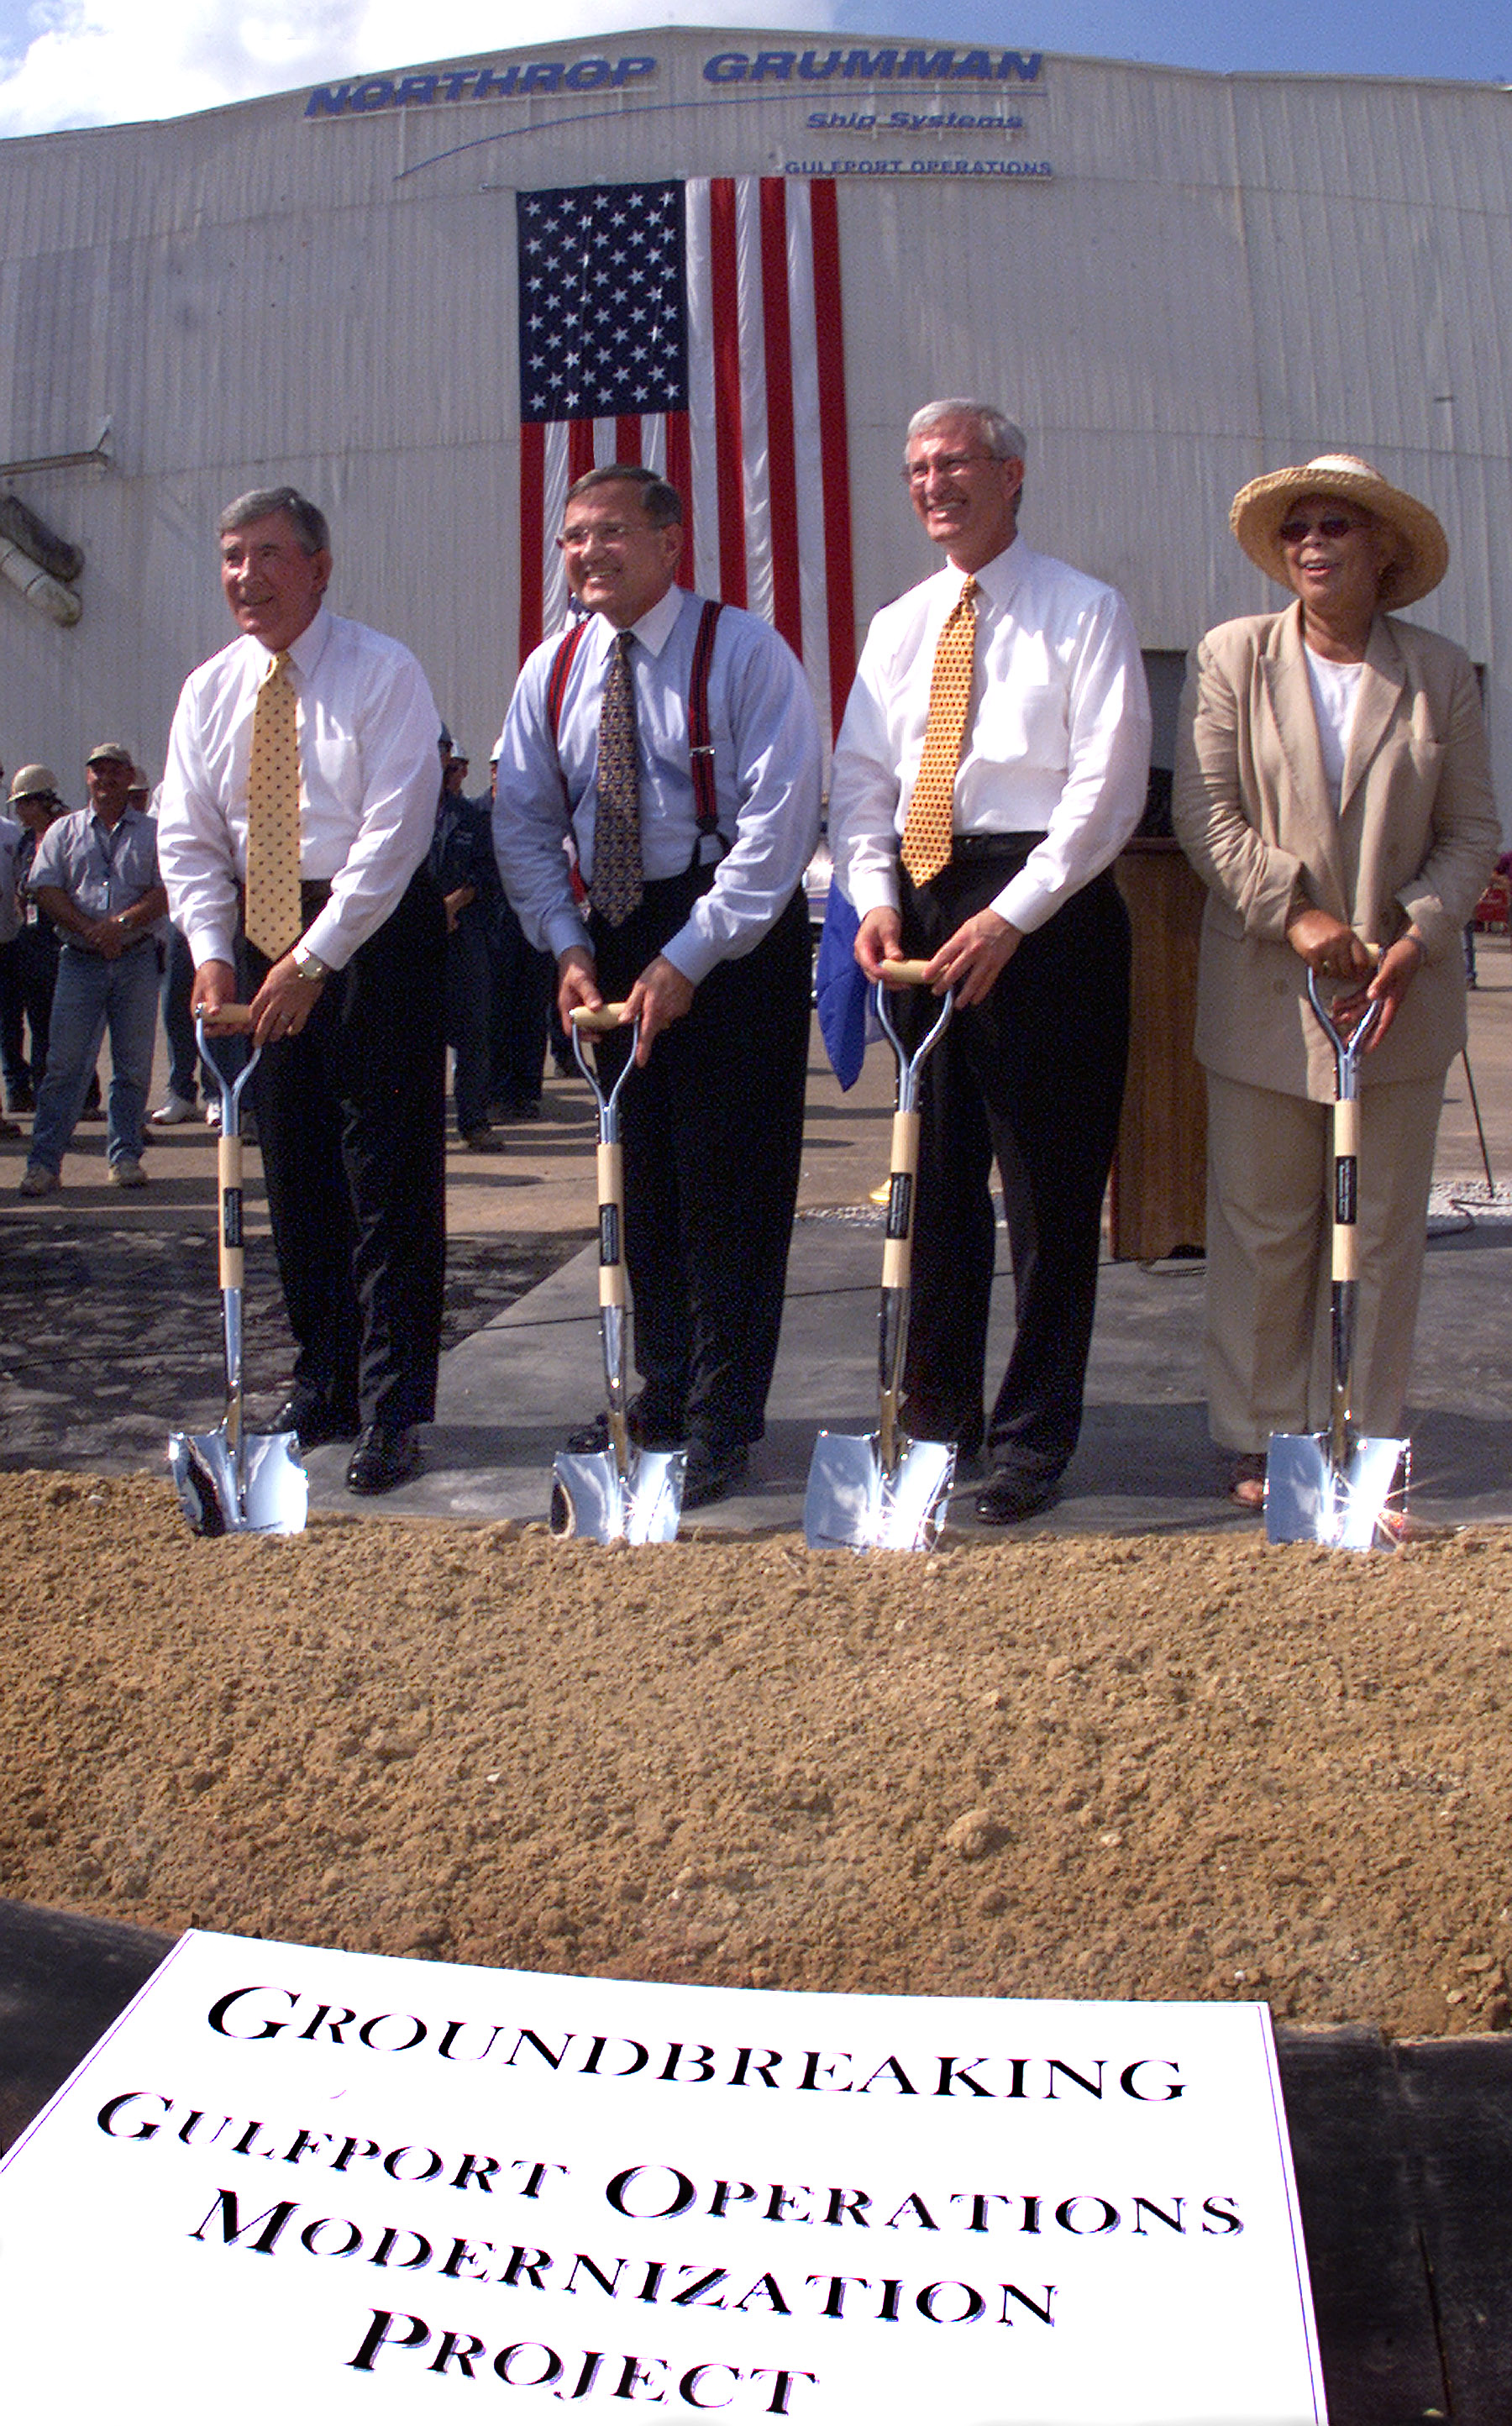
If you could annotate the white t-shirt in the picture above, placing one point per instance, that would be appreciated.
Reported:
(1335, 690)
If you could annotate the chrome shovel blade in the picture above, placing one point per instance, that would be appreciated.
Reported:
(1308, 1498)
(852, 1504)
(591, 1501)
(275, 1497)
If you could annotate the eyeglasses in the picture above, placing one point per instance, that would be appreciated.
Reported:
(915, 476)
(1292, 534)
(612, 534)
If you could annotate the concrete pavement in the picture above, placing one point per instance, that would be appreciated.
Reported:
(511, 1391)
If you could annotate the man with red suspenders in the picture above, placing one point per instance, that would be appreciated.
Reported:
(680, 740)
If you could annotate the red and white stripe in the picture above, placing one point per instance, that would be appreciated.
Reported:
(761, 456)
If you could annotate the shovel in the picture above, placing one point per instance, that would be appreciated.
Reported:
(232, 1480)
(1334, 1486)
(882, 1491)
(621, 1493)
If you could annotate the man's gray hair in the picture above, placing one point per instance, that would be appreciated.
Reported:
(1001, 436)
(660, 502)
(308, 521)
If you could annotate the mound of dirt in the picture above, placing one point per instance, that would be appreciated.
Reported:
(1165, 1767)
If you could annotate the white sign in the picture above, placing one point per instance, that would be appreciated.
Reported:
(298, 2184)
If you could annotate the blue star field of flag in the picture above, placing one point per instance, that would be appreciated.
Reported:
(602, 317)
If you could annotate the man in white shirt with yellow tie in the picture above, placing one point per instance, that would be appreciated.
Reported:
(993, 762)
(296, 810)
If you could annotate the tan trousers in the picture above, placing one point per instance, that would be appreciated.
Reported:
(1269, 1256)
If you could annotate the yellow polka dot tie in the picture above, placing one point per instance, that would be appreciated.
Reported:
(927, 828)
(273, 921)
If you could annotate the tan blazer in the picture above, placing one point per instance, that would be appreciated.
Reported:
(1415, 839)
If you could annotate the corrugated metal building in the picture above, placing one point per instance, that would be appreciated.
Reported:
(1173, 280)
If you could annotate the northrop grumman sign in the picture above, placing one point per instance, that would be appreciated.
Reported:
(312, 2185)
(517, 79)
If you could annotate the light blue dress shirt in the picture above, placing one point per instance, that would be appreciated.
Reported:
(103, 869)
(766, 767)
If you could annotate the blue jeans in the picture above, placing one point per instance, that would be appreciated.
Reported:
(92, 995)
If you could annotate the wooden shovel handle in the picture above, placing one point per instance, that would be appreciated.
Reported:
(610, 1014)
(905, 972)
(232, 1019)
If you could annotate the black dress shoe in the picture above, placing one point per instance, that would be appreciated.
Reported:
(314, 1422)
(712, 1473)
(383, 1458)
(1011, 1496)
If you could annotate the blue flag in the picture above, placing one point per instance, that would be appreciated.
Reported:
(840, 990)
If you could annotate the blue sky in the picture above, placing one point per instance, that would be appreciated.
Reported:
(93, 62)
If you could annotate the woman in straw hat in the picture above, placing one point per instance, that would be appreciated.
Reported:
(1333, 792)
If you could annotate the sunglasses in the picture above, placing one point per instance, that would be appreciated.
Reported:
(1292, 534)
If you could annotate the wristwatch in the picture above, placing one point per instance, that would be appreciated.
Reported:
(308, 965)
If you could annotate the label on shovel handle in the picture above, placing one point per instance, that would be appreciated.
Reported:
(228, 1175)
(1345, 1266)
(609, 1160)
(1346, 1157)
(905, 1159)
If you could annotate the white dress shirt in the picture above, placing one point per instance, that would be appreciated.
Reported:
(767, 772)
(1056, 741)
(369, 780)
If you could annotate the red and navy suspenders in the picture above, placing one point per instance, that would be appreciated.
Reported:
(701, 745)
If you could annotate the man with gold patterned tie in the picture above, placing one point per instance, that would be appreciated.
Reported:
(993, 762)
(296, 810)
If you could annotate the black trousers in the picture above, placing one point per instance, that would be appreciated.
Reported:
(351, 1117)
(28, 972)
(713, 1131)
(521, 985)
(1032, 1077)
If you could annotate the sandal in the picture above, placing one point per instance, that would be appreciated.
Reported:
(1245, 1484)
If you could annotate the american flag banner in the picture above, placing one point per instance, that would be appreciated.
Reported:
(694, 325)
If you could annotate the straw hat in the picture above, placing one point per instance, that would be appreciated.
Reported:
(1261, 507)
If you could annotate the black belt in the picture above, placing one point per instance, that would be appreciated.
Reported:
(88, 952)
(993, 846)
(314, 897)
(662, 888)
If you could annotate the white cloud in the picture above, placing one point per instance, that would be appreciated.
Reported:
(103, 62)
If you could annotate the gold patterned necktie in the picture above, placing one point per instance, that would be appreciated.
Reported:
(617, 882)
(926, 832)
(273, 922)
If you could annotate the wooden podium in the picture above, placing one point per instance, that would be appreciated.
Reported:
(1158, 1188)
